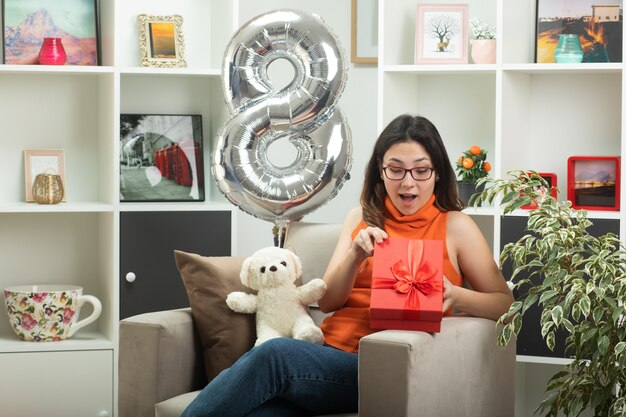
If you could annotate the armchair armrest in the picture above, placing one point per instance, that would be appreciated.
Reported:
(159, 358)
(460, 371)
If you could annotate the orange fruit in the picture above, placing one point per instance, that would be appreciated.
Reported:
(468, 163)
(460, 159)
(487, 166)
(475, 150)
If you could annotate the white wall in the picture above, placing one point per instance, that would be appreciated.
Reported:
(358, 102)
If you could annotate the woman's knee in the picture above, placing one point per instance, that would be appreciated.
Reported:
(273, 348)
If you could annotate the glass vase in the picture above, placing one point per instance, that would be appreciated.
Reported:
(52, 52)
(568, 50)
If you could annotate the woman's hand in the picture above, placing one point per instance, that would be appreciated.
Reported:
(449, 294)
(363, 242)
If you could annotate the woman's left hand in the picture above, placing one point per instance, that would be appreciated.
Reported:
(449, 292)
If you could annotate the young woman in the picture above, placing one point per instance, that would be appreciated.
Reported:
(409, 191)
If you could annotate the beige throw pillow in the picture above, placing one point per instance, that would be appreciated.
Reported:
(224, 334)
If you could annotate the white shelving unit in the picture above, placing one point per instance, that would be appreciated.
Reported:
(527, 115)
(77, 242)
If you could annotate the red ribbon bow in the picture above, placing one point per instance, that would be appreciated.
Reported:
(407, 281)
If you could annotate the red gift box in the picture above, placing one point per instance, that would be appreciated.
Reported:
(407, 285)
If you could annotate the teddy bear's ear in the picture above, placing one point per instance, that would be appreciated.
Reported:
(245, 271)
(297, 264)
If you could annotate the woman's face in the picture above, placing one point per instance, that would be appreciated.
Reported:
(408, 195)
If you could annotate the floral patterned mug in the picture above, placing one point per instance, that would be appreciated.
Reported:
(44, 313)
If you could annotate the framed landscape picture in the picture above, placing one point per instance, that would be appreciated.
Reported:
(598, 25)
(161, 157)
(593, 182)
(27, 22)
(161, 41)
(441, 34)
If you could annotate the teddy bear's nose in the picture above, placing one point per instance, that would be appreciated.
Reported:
(273, 268)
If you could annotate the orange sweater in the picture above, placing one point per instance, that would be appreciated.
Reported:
(347, 326)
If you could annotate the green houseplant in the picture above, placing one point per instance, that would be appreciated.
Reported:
(579, 283)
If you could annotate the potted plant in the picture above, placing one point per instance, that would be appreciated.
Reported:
(471, 166)
(483, 42)
(579, 283)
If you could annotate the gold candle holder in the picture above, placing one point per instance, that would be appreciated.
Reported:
(48, 188)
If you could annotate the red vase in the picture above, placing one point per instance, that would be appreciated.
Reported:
(52, 52)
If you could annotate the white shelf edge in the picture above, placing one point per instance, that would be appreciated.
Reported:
(591, 214)
(55, 208)
(544, 360)
(83, 340)
(55, 69)
(601, 68)
(441, 69)
(176, 206)
(481, 211)
(171, 71)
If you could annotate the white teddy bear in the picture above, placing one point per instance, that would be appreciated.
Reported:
(280, 307)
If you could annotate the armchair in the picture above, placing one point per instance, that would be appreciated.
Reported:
(459, 371)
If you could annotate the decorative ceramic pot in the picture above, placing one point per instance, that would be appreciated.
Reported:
(52, 52)
(466, 190)
(44, 313)
(483, 51)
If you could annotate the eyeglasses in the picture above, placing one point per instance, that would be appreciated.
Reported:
(418, 174)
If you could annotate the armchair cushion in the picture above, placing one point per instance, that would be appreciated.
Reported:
(224, 334)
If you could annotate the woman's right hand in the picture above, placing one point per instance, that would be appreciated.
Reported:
(363, 242)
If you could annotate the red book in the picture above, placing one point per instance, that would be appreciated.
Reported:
(407, 285)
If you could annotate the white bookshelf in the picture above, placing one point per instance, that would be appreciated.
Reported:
(527, 116)
(77, 108)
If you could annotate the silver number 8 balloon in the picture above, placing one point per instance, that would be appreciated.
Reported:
(303, 112)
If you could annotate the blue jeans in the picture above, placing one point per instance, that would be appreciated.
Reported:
(282, 378)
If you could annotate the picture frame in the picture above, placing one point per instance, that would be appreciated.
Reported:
(593, 182)
(161, 157)
(551, 179)
(161, 41)
(39, 161)
(364, 32)
(598, 26)
(441, 34)
(25, 23)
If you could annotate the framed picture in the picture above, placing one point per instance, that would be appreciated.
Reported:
(593, 182)
(161, 41)
(27, 22)
(552, 186)
(597, 24)
(161, 157)
(441, 34)
(364, 48)
(40, 161)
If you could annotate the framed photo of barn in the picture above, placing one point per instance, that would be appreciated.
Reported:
(598, 25)
(161, 157)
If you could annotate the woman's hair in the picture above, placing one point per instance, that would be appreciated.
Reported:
(407, 128)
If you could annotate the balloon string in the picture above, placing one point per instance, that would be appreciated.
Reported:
(283, 232)
(279, 235)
